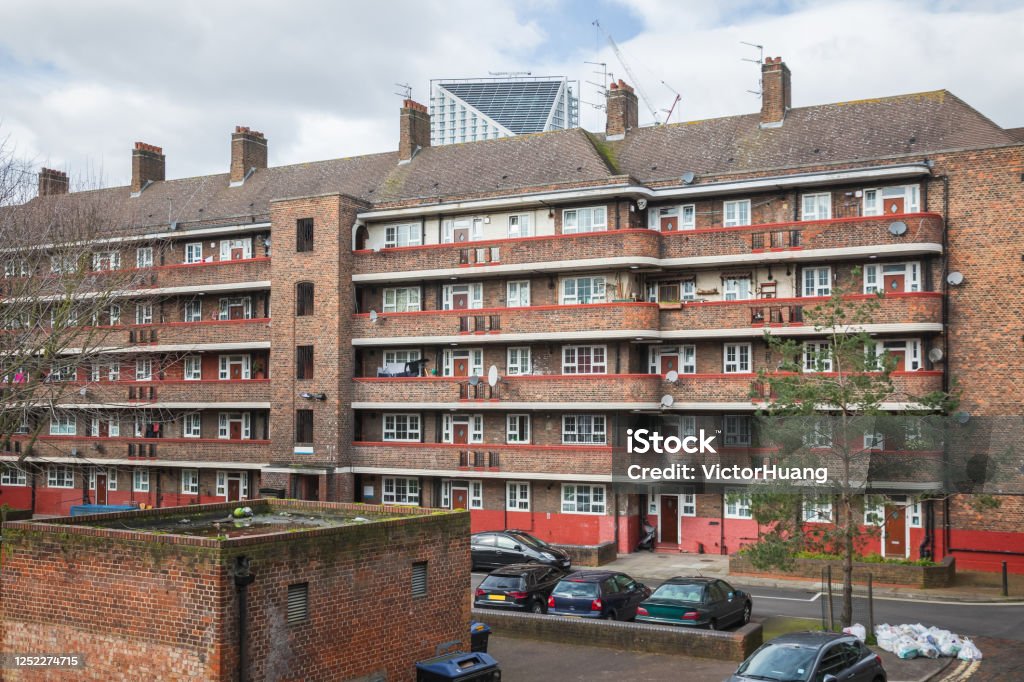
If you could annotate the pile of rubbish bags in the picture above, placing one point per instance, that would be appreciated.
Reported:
(911, 641)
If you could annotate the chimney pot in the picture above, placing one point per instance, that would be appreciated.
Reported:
(148, 165)
(414, 129)
(776, 92)
(622, 109)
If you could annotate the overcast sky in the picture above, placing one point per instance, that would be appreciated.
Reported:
(81, 81)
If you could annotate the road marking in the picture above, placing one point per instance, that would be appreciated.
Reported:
(814, 598)
(964, 671)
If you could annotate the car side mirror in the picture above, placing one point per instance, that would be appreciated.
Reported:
(519, 548)
(830, 678)
(731, 595)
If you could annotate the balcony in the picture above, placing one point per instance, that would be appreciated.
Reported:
(622, 320)
(253, 333)
(143, 393)
(147, 450)
(211, 274)
(541, 389)
(484, 457)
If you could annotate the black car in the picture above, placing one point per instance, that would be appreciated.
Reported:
(523, 587)
(812, 657)
(495, 548)
(698, 602)
(597, 594)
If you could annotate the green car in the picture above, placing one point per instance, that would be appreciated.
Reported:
(697, 602)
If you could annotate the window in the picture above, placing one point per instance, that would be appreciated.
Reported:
(914, 514)
(461, 230)
(817, 509)
(304, 296)
(892, 200)
(402, 427)
(194, 252)
(476, 494)
(517, 496)
(518, 294)
(817, 206)
(63, 424)
(583, 429)
(462, 362)
(191, 426)
(58, 476)
(144, 313)
(584, 360)
(419, 579)
(408, 234)
(579, 220)
(518, 361)
(892, 278)
(519, 226)
(304, 362)
(304, 426)
(233, 425)
(241, 478)
(144, 257)
(17, 267)
(688, 359)
(817, 356)
(12, 475)
(737, 358)
(113, 428)
(517, 429)
(193, 368)
(303, 235)
(115, 314)
(106, 260)
(193, 311)
(62, 371)
(401, 299)
(111, 475)
(462, 296)
(140, 480)
(401, 490)
(817, 281)
(819, 433)
(298, 603)
(737, 430)
(582, 290)
(874, 441)
(688, 503)
(736, 213)
(190, 481)
(235, 249)
(144, 369)
(737, 503)
(583, 499)
(470, 426)
(62, 265)
(670, 218)
(736, 288)
(234, 367)
(874, 510)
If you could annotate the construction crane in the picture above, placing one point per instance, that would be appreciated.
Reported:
(629, 71)
(668, 115)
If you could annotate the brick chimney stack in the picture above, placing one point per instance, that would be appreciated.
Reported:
(414, 133)
(776, 92)
(148, 164)
(52, 182)
(622, 108)
(248, 151)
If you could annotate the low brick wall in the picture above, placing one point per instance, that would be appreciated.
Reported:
(940, 575)
(641, 637)
(19, 514)
(591, 555)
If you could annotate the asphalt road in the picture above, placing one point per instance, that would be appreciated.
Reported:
(1004, 621)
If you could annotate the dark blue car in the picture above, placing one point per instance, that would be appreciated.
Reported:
(597, 594)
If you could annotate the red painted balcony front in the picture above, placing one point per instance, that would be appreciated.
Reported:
(95, 450)
(554, 459)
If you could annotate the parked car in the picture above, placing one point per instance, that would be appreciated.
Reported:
(495, 548)
(597, 594)
(699, 602)
(523, 587)
(812, 657)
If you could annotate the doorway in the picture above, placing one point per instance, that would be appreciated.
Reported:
(668, 519)
(460, 498)
(101, 488)
(894, 542)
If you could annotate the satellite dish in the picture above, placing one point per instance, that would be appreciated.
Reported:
(962, 417)
(641, 204)
(672, 376)
(474, 380)
(373, 317)
(935, 355)
(955, 278)
(898, 228)
(492, 375)
(667, 400)
(83, 390)
(689, 177)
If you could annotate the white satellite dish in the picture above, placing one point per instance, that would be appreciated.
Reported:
(83, 390)
(474, 380)
(962, 417)
(667, 400)
(641, 204)
(898, 228)
(672, 376)
(935, 355)
(688, 177)
(373, 317)
(955, 278)
(492, 375)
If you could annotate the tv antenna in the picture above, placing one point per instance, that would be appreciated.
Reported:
(759, 61)
(406, 92)
(629, 72)
(668, 112)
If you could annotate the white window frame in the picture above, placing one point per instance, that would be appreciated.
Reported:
(476, 494)
(571, 503)
(817, 509)
(11, 474)
(874, 276)
(17, 267)
(412, 427)
(812, 284)
(144, 369)
(140, 480)
(874, 510)
(193, 253)
(570, 290)
(688, 502)
(686, 215)
(595, 431)
(572, 355)
(111, 478)
(114, 312)
(144, 313)
(474, 427)
(737, 503)
(517, 294)
(737, 430)
(229, 245)
(106, 261)
(914, 514)
(584, 220)
(817, 356)
(63, 264)
(63, 424)
(193, 310)
(222, 484)
(192, 426)
(228, 302)
(475, 356)
(736, 213)
(60, 476)
(474, 292)
(737, 289)
(517, 496)
(875, 206)
(190, 481)
(474, 225)
(400, 490)
(192, 368)
(874, 441)
(519, 361)
(402, 235)
(737, 358)
(225, 363)
(520, 226)
(401, 356)
(144, 257)
(517, 429)
(402, 300)
(820, 209)
(225, 419)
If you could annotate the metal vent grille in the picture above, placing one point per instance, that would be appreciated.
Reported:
(298, 603)
(419, 579)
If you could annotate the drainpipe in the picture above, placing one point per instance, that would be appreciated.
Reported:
(243, 577)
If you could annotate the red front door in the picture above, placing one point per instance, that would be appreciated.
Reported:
(669, 518)
(894, 283)
(900, 356)
(235, 370)
(236, 312)
(460, 498)
(234, 489)
(669, 363)
(460, 301)
(462, 234)
(237, 253)
(893, 205)
(669, 223)
(461, 367)
(101, 488)
(895, 531)
(235, 430)
(460, 432)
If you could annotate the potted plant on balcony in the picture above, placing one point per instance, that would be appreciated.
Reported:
(258, 371)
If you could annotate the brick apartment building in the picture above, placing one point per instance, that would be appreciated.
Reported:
(338, 364)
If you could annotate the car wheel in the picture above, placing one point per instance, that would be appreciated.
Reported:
(612, 615)
(712, 624)
(537, 606)
(746, 614)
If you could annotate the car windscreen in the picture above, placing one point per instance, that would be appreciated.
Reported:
(502, 582)
(570, 589)
(688, 592)
(782, 662)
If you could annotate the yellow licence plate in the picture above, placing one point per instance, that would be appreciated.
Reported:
(496, 597)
